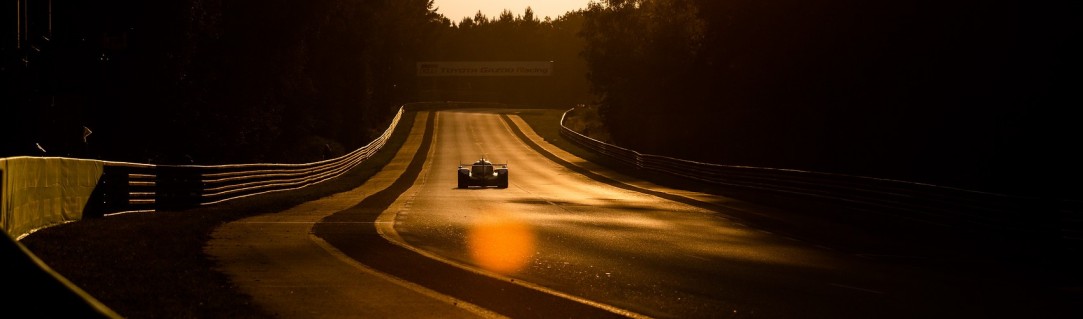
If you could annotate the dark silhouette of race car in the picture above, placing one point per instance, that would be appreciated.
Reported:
(483, 173)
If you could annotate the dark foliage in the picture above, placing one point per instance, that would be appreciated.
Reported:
(960, 93)
(206, 81)
(511, 37)
(212, 81)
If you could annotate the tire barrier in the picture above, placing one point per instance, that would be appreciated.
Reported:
(932, 204)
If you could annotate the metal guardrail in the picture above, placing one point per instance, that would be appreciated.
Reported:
(133, 187)
(933, 204)
(138, 187)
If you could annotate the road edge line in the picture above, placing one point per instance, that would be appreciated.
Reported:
(388, 232)
(330, 249)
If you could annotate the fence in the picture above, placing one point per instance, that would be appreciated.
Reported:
(40, 192)
(933, 204)
(132, 187)
(128, 187)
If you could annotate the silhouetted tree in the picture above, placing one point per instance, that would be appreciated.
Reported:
(511, 37)
(214, 81)
(942, 92)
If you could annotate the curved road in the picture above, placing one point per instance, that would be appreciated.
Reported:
(566, 239)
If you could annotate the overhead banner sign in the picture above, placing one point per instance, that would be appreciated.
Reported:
(482, 68)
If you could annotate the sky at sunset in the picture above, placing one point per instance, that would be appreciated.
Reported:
(455, 10)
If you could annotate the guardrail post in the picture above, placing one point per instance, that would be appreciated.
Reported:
(177, 187)
(1, 196)
(110, 194)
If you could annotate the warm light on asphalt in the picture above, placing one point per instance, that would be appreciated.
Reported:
(501, 243)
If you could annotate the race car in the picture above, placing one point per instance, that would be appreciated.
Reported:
(483, 173)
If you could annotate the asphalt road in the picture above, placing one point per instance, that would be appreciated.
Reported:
(567, 239)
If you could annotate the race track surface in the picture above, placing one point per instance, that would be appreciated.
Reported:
(566, 239)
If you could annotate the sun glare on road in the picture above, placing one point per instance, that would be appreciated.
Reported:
(501, 243)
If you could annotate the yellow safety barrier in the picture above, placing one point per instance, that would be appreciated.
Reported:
(37, 192)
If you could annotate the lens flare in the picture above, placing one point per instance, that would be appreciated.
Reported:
(501, 243)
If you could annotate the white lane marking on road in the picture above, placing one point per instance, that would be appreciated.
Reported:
(521, 124)
(486, 313)
(857, 288)
(561, 207)
(389, 233)
(247, 222)
(697, 257)
(530, 285)
(890, 256)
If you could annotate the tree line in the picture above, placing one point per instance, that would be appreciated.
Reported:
(511, 37)
(214, 81)
(956, 93)
(209, 81)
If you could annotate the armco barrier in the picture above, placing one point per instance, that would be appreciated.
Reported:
(38, 192)
(129, 187)
(946, 206)
(41, 192)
